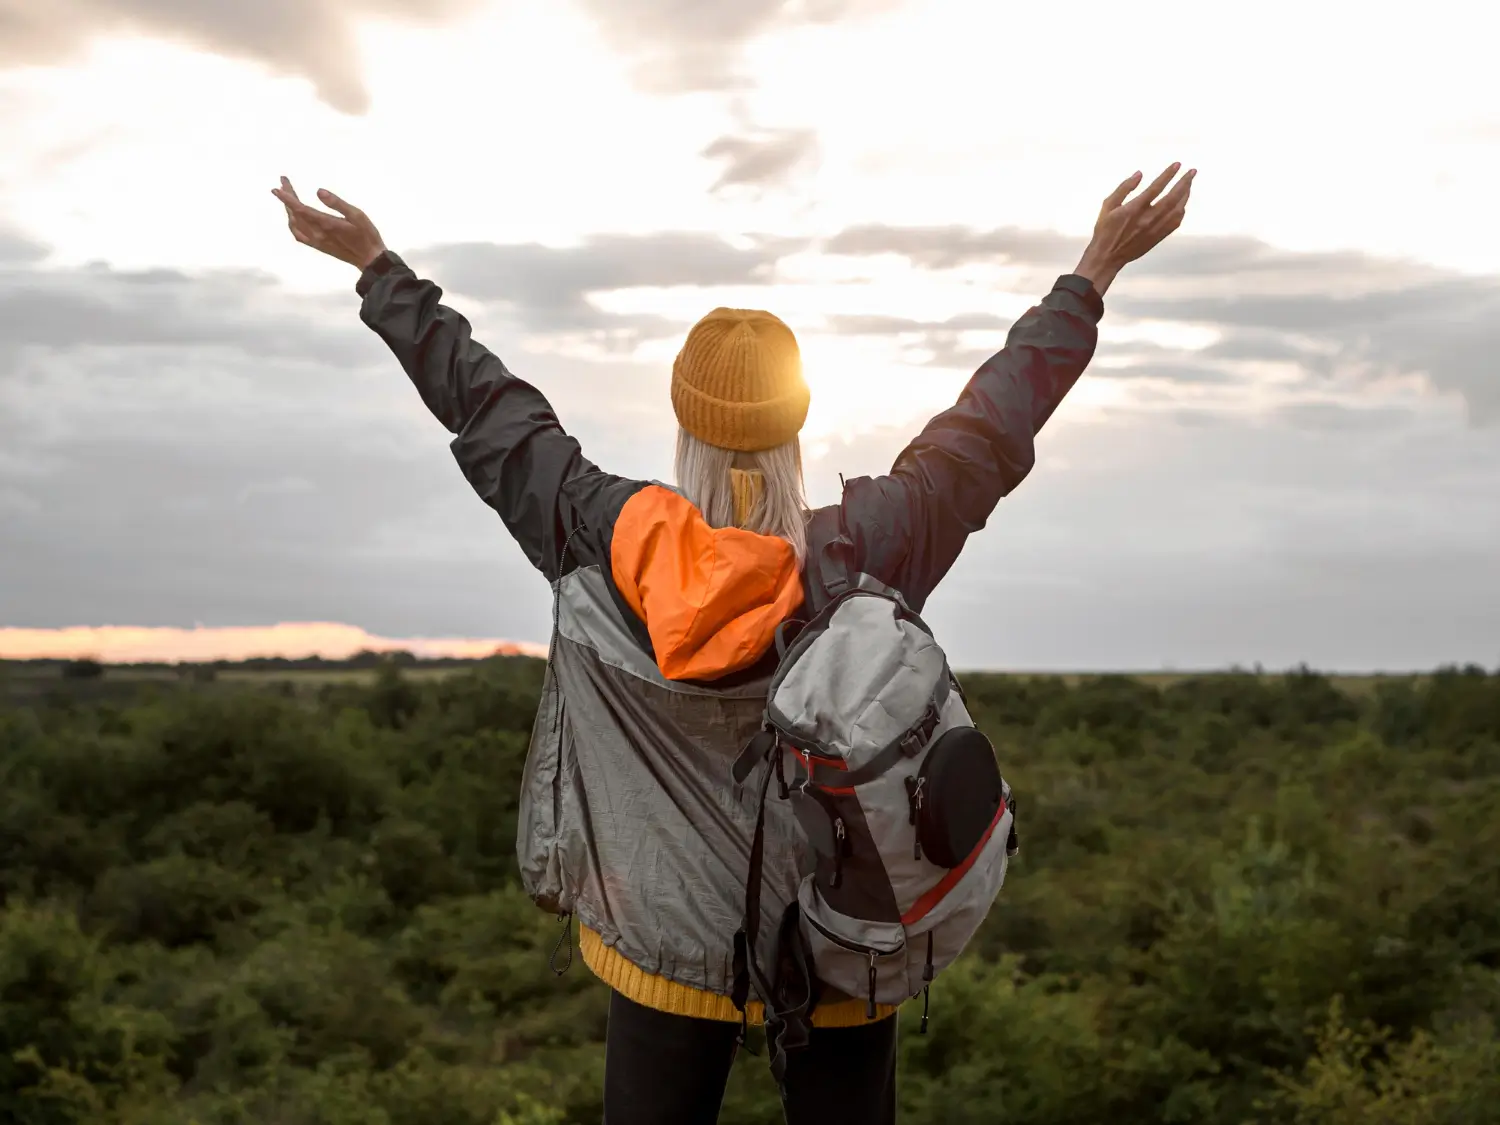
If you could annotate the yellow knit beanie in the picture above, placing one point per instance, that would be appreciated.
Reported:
(737, 382)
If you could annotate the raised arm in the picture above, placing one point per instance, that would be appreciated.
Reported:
(907, 528)
(507, 440)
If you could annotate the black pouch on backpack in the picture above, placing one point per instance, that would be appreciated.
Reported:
(955, 795)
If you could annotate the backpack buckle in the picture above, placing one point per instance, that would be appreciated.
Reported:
(755, 750)
(921, 734)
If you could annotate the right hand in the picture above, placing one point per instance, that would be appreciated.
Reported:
(1126, 231)
(351, 238)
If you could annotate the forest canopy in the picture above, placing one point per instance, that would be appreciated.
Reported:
(1240, 899)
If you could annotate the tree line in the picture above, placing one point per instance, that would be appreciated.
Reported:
(1240, 900)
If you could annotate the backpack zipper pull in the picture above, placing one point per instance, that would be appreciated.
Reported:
(927, 975)
(870, 1005)
(840, 845)
(916, 810)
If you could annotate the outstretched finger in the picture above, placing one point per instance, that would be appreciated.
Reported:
(348, 210)
(1117, 197)
(309, 217)
(288, 195)
(1180, 190)
(1156, 186)
(289, 200)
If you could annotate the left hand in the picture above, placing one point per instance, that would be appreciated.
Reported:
(352, 238)
(1127, 231)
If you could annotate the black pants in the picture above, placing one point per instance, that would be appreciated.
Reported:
(663, 1069)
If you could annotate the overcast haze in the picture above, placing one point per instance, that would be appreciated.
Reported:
(1287, 448)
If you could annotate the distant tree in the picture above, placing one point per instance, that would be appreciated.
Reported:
(85, 669)
(393, 699)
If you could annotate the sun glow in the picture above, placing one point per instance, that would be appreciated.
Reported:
(859, 385)
(863, 338)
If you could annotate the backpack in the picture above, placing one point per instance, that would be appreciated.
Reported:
(900, 798)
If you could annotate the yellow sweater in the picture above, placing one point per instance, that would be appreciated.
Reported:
(668, 996)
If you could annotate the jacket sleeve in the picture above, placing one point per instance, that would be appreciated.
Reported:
(507, 440)
(908, 527)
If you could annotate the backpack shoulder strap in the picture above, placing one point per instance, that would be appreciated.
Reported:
(789, 1000)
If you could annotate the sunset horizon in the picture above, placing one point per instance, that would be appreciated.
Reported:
(124, 644)
(335, 642)
(1285, 447)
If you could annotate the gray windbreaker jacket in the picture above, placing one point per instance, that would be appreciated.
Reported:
(663, 643)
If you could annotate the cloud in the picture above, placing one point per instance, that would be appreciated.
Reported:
(1336, 314)
(1374, 321)
(1143, 540)
(181, 448)
(1338, 417)
(762, 158)
(683, 46)
(547, 289)
(1265, 346)
(965, 341)
(945, 343)
(313, 39)
(947, 247)
(102, 307)
(17, 248)
(1183, 373)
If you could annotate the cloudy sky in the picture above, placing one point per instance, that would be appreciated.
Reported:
(1286, 450)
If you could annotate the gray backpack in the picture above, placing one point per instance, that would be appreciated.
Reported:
(901, 800)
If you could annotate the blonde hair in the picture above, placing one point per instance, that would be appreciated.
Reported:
(761, 492)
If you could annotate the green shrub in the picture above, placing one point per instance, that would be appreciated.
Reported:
(1240, 900)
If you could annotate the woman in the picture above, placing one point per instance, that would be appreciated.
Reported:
(666, 605)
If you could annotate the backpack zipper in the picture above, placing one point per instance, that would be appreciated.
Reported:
(841, 845)
(851, 946)
(863, 950)
(914, 800)
(927, 975)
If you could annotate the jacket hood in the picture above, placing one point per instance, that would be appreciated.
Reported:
(710, 598)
